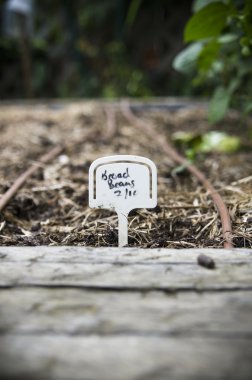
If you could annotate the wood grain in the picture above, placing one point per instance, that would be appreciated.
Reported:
(120, 255)
(112, 358)
(128, 269)
(84, 313)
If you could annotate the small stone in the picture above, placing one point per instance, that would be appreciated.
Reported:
(63, 159)
(206, 261)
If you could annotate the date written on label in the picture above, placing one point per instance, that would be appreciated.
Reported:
(120, 183)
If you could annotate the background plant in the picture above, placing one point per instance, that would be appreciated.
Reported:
(219, 56)
(101, 48)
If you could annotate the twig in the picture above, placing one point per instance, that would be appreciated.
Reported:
(25, 175)
(32, 169)
(149, 129)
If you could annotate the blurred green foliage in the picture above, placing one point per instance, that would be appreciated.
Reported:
(213, 141)
(219, 55)
(97, 60)
(98, 48)
(120, 77)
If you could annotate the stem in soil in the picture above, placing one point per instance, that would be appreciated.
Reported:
(122, 229)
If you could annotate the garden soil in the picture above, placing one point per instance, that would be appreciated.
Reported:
(52, 207)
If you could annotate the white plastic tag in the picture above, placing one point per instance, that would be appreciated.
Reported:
(123, 183)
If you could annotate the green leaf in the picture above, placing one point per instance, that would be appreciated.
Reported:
(213, 141)
(179, 169)
(227, 38)
(186, 60)
(208, 55)
(216, 141)
(207, 22)
(233, 85)
(132, 12)
(220, 101)
(219, 104)
(248, 108)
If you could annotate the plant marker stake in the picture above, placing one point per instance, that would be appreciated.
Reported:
(123, 183)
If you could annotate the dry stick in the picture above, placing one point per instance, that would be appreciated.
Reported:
(25, 175)
(20, 181)
(176, 157)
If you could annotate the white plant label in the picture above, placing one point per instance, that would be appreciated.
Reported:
(123, 183)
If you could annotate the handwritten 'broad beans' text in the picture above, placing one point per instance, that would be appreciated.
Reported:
(121, 183)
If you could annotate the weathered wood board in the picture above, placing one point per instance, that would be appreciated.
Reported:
(109, 313)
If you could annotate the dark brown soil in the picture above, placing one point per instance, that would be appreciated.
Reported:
(52, 208)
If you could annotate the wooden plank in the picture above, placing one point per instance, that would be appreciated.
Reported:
(124, 268)
(120, 255)
(167, 277)
(77, 311)
(124, 358)
(84, 313)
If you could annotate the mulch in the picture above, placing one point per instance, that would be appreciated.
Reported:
(52, 208)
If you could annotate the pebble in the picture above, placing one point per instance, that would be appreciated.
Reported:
(206, 261)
